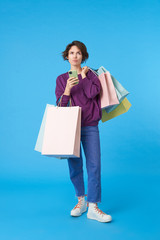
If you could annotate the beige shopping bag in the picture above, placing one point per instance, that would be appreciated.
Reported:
(60, 132)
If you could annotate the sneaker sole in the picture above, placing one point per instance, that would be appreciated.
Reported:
(79, 214)
(109, 220)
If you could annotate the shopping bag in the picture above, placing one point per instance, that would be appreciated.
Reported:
(108, 94)
(123, 107)
(120, 90)
(39, 142)
(60, 132)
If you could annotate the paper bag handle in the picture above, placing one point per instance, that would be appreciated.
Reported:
(59, 103)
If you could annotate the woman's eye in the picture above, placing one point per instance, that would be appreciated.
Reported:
(72, 52)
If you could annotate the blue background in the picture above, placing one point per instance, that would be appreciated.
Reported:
(36, 194)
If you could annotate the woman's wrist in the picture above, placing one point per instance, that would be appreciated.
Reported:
(67, 91)
(83, 75)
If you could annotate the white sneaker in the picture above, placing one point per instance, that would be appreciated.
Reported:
(95, 213)
(80, 207)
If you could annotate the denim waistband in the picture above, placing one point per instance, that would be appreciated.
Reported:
(90, 128)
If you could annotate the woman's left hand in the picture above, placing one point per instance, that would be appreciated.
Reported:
(84, 70)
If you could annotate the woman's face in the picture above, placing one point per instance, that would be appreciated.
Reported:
(75, 56)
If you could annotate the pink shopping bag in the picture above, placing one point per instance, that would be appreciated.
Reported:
(60, 132)
(108, 94)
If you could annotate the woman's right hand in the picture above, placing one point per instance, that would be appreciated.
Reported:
(71, 82)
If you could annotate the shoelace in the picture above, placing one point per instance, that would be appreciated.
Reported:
(78, 205)
(98, 210)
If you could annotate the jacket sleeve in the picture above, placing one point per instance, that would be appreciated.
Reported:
(91, 85)
(60, 88)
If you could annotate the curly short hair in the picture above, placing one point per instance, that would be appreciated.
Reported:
(81, 46)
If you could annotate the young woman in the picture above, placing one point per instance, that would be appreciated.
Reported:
(85, 94)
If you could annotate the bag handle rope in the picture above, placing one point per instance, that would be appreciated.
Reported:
(93, 71)
(59, 103)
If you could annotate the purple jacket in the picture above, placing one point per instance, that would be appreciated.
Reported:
(85, 94)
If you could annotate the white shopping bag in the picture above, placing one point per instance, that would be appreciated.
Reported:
(60, 132)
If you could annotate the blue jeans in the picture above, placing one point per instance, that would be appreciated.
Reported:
(91, 145)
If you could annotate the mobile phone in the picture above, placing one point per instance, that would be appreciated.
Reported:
(73, 73)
